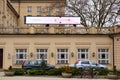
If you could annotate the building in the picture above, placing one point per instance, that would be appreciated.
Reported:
(58, 44)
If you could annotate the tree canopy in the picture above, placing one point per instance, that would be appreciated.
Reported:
(97, 13)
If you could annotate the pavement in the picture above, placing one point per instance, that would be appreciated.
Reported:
(2, 77)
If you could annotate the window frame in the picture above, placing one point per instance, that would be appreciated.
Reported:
(80, 53)
(29, 8)
(19, 53)
(59, 54)
(103, 51)
(39, 9)
(39, 53)
(48, 9)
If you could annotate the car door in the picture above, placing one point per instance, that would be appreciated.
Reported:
(85, 64)
(93, 64)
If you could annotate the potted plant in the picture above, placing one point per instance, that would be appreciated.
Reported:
(9, 71)
(67, 72)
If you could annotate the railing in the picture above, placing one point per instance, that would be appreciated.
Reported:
(59, 30)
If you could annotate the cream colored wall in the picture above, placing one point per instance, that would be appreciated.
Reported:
(31, 42)
(11, 19)
(2, 11)
(7, 17)
(117, 51)
(24, 11)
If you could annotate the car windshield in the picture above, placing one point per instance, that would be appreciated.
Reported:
(34, 62)
(39, 62)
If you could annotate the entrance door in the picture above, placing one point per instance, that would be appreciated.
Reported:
(1, 58)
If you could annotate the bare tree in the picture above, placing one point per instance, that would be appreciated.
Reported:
(98, 13)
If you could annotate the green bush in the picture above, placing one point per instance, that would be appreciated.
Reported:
(59, 71)
(75, 71)
(102, 71)
(56, 71)
(52, 72)
(19, 71)
(118, 73)
(36, 72)
(43, 64)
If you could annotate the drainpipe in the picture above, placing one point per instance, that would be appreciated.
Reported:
(114, 67)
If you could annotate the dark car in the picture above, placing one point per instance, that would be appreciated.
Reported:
(35, 64)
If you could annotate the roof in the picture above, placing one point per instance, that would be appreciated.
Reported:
(12, 9)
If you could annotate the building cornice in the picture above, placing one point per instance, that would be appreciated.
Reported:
(31, 1)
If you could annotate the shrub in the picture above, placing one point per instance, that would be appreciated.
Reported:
(10, 68)
(43, 64)
(67, 69)
(102, 71)
(118, 73)
(59, 70)
(52, 72)
(19, 71)
(36, 72)
(56, 71)
(75, 71)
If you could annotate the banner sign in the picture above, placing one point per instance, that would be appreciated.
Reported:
(51, 20)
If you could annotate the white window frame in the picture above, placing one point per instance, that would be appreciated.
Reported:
(42, 52)
(39, 9)
(48, 9)
(82, 51)
(29, 8)
(20, 52)
(64, 52)
(105, 52)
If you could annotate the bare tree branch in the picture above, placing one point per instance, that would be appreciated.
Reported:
(98, 13)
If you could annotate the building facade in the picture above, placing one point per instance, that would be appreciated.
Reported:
(57, 44)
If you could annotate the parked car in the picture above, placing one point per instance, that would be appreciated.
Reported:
(35, 64)
(87, 64)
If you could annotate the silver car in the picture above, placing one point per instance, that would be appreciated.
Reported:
(87, 64)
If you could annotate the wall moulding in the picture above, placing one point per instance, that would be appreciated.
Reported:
(38, 43)
(2, 43)
(103, 43)
(21, 43)
(62, 43)
(82, 43)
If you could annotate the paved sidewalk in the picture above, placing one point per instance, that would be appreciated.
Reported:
(2, 77)
(41, 78)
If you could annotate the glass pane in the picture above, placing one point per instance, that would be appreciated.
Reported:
(85, 62)
(21, 56)
(62, 56)
(83, 56)
(103, 56)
